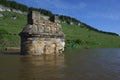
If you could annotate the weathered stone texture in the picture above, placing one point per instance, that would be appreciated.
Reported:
(41, 36)
(1, 15)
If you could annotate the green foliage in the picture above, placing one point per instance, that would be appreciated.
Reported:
(3, 34)
(42, 11)
(10, 28)
(22, 7)
(14, 5)
(84, 38)
(68, 19)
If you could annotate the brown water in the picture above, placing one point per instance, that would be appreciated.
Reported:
(87, 64)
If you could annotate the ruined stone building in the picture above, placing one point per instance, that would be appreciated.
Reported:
(42, 36)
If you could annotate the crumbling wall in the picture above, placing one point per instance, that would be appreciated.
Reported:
(41, 36)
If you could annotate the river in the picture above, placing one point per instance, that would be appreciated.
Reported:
(75, 64)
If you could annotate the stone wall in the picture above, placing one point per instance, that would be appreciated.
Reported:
(42, 36)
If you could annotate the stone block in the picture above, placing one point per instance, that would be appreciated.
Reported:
(50, 49)
(33, 17)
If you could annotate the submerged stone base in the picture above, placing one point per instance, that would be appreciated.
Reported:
(38, 46)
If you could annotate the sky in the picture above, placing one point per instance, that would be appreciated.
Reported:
(101, 14)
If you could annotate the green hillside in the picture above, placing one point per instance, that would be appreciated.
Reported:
(10, 28)
(76, 36)
(84, 38)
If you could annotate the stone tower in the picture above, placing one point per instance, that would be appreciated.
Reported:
(41, 36)
(54, 19)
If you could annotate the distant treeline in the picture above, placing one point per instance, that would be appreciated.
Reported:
(83, 25)
(66, 19)
(14, 5)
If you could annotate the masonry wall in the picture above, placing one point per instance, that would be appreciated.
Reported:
(41, 36)
(38, 46)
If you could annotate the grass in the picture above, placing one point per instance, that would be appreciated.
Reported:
(86, 38)
(12, 27)
(90, 39)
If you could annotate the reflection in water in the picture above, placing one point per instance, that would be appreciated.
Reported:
(86, 64)
(41, 68)
(31, 68)
(92, 64)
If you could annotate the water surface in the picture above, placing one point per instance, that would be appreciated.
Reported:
(84, 64)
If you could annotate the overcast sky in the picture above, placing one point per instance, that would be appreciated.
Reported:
(101, 14)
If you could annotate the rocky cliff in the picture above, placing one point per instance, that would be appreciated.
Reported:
(3, 8)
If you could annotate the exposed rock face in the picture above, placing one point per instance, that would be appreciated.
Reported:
(1, 15)
(42, 36)
(3, 8)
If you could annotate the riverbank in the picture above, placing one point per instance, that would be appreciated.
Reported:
(76, 36)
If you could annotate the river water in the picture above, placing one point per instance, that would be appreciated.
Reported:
(76, 64)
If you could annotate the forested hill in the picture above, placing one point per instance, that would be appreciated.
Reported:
(62, 18)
